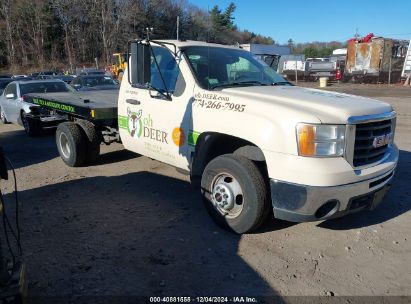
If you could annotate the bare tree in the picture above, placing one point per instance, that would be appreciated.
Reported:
(49, 33)
(66, 14)
(5, 12)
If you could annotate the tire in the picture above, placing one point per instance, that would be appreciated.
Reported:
(3, 117)
(250, 206)
(32, 127)
(71, 144)
(92, 141)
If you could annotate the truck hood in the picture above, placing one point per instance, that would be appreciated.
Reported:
(328, 107)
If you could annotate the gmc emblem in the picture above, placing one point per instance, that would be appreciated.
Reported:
(382, 140)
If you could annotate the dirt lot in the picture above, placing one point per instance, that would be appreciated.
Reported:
(133, 226)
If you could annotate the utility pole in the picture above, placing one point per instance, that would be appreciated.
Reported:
(178, 27)
(356, 33)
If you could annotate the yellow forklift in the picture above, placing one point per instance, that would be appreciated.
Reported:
(118, 66)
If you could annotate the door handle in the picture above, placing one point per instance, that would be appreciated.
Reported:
(133, 101)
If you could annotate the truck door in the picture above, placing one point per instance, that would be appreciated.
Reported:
(153, 124)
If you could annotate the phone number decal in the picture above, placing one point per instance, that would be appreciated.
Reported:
(218, 105)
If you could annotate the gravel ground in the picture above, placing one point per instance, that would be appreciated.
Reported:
(133, 226)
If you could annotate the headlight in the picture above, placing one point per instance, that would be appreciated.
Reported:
(320, 140)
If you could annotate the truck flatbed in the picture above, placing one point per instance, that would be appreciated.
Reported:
(96, 106)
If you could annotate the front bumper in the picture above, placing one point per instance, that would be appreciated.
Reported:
(303, 203)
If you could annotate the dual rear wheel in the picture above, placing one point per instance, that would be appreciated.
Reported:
(77, 143)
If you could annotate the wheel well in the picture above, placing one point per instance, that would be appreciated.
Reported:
(211, 145)
(20, 119)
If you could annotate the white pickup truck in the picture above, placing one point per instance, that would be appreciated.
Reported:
(251, 140)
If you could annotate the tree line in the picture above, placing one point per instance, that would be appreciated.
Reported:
(316, 48)
(52, 33)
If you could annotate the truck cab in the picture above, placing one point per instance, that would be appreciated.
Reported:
(249, 139)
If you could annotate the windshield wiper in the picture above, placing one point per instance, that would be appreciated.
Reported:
(239, 84)
(282, 83)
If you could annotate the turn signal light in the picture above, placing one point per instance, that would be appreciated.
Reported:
(306, 140)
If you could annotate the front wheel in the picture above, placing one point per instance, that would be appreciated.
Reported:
(32, 127)
(235, 193)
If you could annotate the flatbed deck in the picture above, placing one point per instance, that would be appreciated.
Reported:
(96, 106)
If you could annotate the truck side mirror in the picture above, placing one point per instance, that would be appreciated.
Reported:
(139, 62)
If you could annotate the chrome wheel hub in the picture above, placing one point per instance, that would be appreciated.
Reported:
(223, 197)
(65, 146)
(227, 195)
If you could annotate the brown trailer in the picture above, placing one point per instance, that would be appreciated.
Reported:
(377, 61)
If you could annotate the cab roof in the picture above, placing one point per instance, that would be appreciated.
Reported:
(185, 43)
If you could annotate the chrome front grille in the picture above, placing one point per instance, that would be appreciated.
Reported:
(365, 150)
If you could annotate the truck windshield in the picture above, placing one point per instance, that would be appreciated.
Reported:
(217, 67)
(44, 87)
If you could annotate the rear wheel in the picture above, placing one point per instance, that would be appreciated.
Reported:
(3, 116)
(235, 193)
(71, 144)
(31, 126)
(92, 141)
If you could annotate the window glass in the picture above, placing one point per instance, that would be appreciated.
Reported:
(217, 67)
(11, 89)
(93, 81)
(44, 87)
(168, 69)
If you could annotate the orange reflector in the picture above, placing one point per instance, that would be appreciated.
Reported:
(306, 140)
(92, 113)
